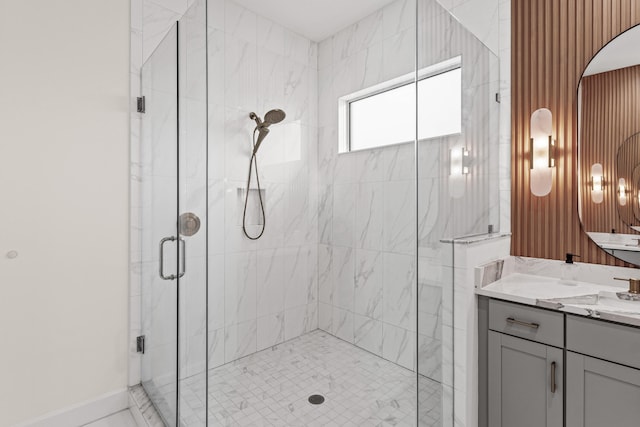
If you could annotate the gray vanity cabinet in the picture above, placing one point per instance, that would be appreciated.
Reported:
(603, 375)
(525, 364)
(547, 368)
(601, 393)
(525, 383)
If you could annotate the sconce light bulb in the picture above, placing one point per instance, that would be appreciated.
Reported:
(622, 192)
(597, 183)
(541, 162)
(459, 161)
(458, 168)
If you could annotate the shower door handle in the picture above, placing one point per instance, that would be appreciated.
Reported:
(183, 254)
(183, 257)
(162, 242)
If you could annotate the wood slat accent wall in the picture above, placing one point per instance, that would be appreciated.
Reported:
(610, 116)
(552, 42)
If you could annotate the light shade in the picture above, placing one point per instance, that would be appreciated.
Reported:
(541, 150)
(458, 168)
(597, 183)
(459, 161)
(622, 192)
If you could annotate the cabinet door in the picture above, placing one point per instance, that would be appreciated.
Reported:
(601, 393)
(525, 383)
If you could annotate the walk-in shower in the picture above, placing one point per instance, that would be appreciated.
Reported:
(262, 129)
(348, 293)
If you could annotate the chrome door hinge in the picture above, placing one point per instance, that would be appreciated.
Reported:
(140, 344)
(141, 104)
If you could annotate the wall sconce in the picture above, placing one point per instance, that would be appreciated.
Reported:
(542, 152)
(597, 183)
(458, 169)
(459, 161)
(622, 192)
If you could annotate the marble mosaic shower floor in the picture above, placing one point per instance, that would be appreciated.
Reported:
(271, 388)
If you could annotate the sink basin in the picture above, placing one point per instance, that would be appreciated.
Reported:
(541, 287)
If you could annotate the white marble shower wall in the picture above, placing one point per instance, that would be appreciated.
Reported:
(265, 291)
(367, 206)
(366, 217)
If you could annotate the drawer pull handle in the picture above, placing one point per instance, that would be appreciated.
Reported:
(521, 323)
(553, 377)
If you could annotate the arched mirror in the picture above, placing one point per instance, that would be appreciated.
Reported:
(609, 147)
(628, 169)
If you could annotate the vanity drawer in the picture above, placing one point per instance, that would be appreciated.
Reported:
(531, 323)
(608, 341)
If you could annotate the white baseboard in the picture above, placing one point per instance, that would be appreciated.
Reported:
(83, 413)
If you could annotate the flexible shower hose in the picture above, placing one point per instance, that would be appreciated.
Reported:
(253, 163)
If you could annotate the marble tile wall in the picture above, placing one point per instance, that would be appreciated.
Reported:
(366, 214)
(367, 205)
(260, 292)
(505, 115)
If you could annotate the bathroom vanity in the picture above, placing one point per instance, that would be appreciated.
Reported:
(557, 353)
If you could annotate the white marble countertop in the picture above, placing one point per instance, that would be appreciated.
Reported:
(569, 296)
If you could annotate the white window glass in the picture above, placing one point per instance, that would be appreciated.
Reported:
(389, 117)
(383, 119)
(440, 105)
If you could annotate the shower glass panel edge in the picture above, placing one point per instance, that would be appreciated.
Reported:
(458, 195)
(159, 157)
(193, 217)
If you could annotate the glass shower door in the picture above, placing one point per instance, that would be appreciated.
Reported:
(173, 145)
(160, 270)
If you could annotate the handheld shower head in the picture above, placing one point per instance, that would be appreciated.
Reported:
(272, 117)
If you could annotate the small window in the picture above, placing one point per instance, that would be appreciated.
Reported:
(386, 114)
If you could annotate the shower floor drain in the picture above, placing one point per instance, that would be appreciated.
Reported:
(316, 399)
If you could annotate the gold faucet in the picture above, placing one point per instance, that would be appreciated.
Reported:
(634, 285)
